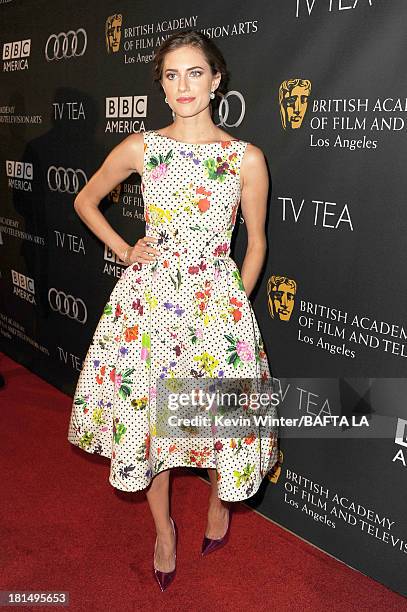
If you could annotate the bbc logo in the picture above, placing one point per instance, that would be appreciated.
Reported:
(111, 256)
(401, 432)
(21, 170)
(22, 281)
(126, 106)
(17, 49)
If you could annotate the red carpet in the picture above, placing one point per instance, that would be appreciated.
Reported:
(65, 528)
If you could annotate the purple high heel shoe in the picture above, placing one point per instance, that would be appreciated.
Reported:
(164, 579)
(210, 545)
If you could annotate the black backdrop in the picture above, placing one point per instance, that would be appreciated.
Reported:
(319, 86)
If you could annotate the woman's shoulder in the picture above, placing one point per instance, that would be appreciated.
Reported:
(137, 138)
(253, 153)
(253, 165)
(134, 145)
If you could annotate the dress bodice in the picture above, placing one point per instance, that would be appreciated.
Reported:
(191, 192)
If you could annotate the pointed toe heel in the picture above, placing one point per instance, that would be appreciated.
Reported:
(210, 544)
(164, 579)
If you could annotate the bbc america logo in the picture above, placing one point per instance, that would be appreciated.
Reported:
(20, 175)
(22, 282)
(23, 286)
(401, 440)
(111, 256)
(15, 55)
(401, 432)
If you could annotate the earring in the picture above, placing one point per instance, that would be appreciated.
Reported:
(212, 95)
(166, 100)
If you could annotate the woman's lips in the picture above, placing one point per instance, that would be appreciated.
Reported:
(185, 100)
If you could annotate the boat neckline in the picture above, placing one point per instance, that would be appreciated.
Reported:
(200, 144)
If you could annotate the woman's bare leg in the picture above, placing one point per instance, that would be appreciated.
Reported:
(158, 500)
(218, 510)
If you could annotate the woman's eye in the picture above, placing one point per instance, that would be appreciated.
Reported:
(193, 73)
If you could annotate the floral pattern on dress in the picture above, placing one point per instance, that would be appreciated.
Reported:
(183, 316)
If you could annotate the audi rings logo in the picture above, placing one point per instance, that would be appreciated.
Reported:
(68, 305)
(66, 180)
(66, 45)
(225, 111)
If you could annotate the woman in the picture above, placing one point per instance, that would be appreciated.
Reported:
(181, 309)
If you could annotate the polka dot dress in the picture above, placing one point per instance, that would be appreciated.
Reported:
(179, 323)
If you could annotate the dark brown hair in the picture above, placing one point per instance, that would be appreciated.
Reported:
(211, 52)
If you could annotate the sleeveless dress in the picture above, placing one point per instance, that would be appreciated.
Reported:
(177, 321)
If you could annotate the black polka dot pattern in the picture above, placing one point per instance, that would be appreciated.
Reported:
(183, 316)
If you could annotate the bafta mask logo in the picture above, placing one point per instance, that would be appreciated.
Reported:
(113, 32)
(274, 474)
(114, 195)
(280, 296)
(293, 99)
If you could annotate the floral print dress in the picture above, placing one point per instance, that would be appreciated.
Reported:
(183, 316)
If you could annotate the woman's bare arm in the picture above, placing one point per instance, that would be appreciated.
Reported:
(255, 186)
(124, 159)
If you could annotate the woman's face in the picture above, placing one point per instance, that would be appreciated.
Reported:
(187, 80)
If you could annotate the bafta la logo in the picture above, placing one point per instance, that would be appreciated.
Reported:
(293, 100)
(113, 32)
(274, 474)
(281, 291)
(114, 195)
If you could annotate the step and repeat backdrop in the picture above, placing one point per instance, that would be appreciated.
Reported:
(320, 86)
